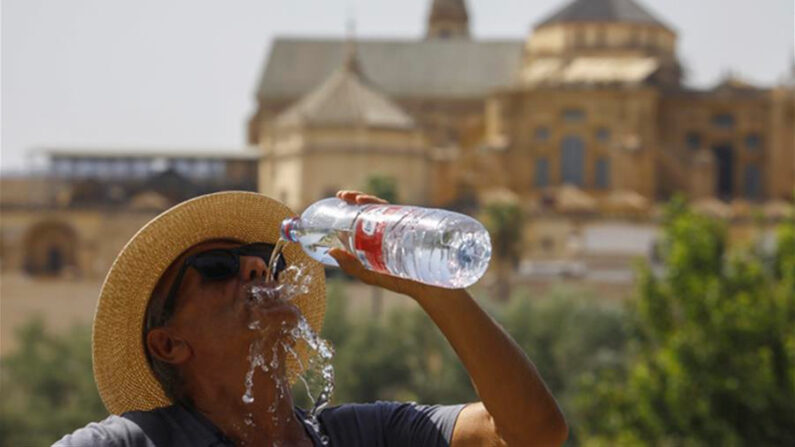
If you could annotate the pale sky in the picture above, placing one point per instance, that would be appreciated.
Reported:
(182, 73)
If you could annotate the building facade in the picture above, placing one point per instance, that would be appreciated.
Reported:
(344, 132)
(592, 98)
(585, 121)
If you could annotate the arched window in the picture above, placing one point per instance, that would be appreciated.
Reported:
(50, 249)
(572, 161)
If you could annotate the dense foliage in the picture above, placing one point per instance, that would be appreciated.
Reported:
(713, 353)
(47, 387)
(703, 355)
(504, 221)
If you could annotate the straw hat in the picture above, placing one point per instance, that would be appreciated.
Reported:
(122, 373)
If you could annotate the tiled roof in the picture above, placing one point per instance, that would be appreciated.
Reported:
(346, 98)
(433, 68)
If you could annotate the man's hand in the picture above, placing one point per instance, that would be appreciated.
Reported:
(351, 265)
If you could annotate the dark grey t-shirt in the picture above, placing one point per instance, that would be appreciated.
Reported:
(381, 424)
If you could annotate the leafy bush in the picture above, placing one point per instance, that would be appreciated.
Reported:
(568, 335)
(713, 358)
(703, 355)
(47, 386)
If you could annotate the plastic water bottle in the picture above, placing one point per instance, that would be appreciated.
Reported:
(433, 246)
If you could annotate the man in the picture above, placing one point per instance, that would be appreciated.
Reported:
(173, 337)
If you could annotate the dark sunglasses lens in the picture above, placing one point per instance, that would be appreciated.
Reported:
(216, 264)
(259, 250)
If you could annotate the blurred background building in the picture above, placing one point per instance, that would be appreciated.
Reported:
(584, 124)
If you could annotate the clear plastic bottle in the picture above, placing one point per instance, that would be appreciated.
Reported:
(433, 246)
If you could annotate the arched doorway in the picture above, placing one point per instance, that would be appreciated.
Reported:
(572, 161)
(50, 249)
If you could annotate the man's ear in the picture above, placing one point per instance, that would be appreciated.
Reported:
(167, 347)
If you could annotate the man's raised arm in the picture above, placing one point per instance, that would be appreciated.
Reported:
(516, 408)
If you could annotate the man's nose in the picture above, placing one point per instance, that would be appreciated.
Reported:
(252, 267)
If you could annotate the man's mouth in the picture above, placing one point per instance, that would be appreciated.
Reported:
(263, 293)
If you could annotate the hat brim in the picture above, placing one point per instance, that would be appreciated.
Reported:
(121, 371)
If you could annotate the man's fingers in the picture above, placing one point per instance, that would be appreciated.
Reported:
(367, 198)
(358, 197)
(347, 261)
(351, 265)
(348, 195)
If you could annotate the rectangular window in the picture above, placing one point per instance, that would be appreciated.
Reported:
(723, 121)
(603, 134)
(573, 115)
(753, 182)
(542, 173)
(183, 166)
(693, 141)
(121, 167)
(541, 133)
(572, 161)
(141, 168)
(217, 168)
(603, 173)
(62, 167)
(753, 142)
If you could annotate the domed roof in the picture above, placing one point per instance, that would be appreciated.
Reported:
(626, 11)
(346, 98)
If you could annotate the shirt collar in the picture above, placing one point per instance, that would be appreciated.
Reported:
(207, 434)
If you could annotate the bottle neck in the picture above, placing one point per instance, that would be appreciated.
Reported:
(288, 229)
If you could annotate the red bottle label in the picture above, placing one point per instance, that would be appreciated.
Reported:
(368, 240)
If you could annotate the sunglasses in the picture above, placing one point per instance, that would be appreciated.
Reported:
(219, 264)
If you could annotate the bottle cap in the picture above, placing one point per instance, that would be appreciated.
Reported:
(287, 227)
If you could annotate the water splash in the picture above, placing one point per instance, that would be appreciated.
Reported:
(274, 260)
(319, 361)
(255, 360)
(315, 369)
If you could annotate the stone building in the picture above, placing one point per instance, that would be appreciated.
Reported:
(599, 104)
(341, 134)
(440, 81)
(585, 122)
(73, 219)
(592, 98)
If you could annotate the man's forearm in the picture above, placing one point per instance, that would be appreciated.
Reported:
(505, 379)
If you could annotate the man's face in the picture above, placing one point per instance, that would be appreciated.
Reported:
(215, 317)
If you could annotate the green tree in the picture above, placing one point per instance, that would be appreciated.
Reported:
(505, 223)
(571, 336)
(402, 356)
(568, 334)
(382, 186)
(47, 386)
(714, 360)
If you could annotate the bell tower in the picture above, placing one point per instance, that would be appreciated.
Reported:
(448, 19)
